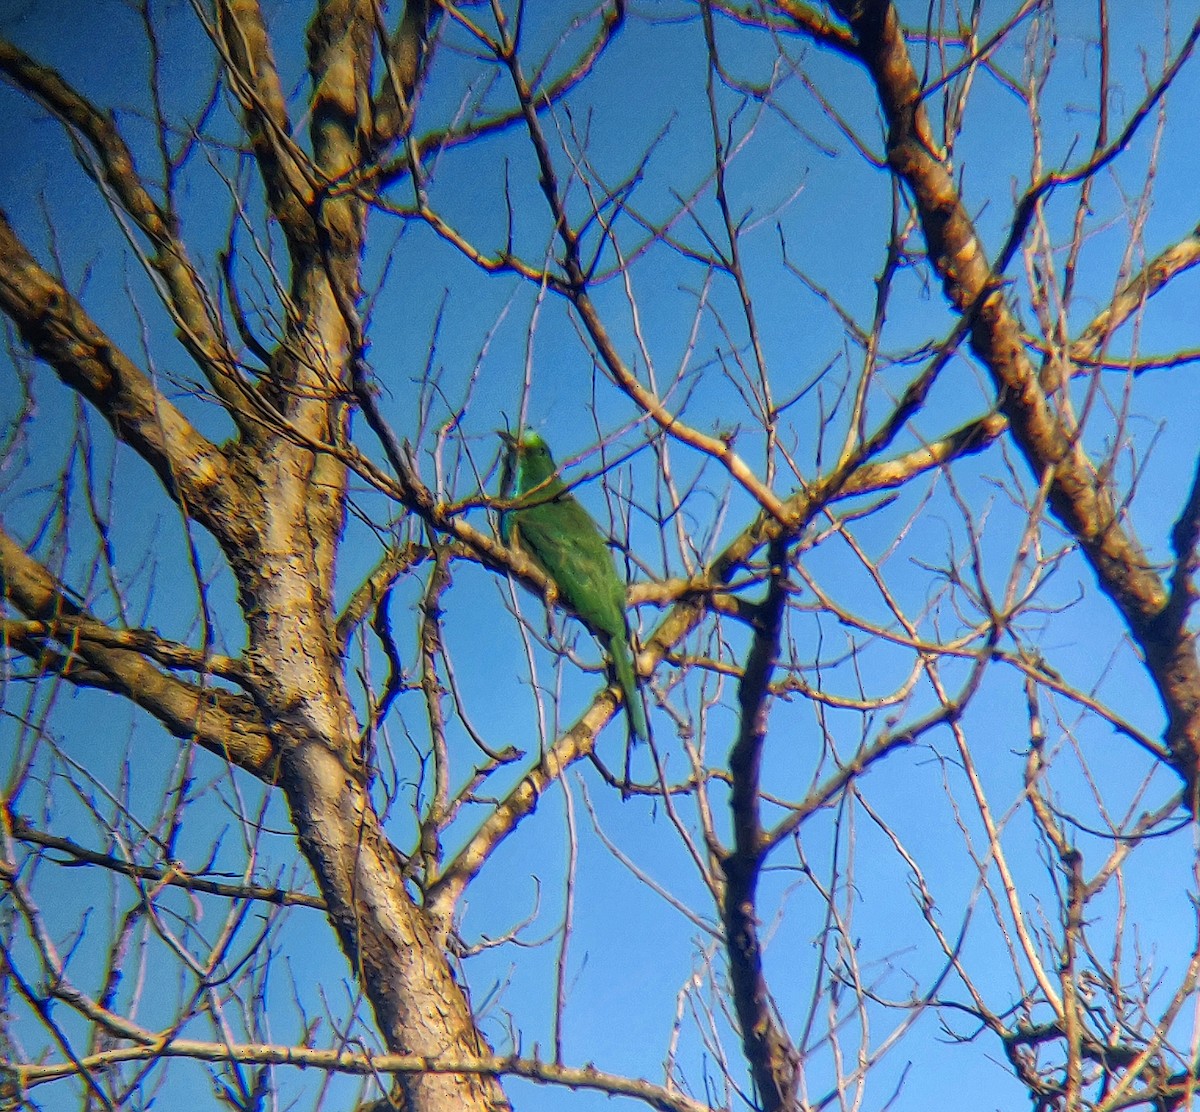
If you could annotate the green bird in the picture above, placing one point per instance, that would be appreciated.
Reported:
(558, 535)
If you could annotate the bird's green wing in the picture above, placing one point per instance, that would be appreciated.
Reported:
(562, 538)
(565, 541)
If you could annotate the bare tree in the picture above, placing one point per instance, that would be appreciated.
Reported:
(865, 330)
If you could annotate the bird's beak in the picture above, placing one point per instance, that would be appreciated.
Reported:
(507, 437)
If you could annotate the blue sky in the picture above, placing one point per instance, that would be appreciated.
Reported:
(798, 180)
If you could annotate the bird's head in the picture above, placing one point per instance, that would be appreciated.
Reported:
(533, 463)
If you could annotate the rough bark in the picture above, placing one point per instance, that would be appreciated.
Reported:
(1079, 496)
(274, 500)
(286, 583)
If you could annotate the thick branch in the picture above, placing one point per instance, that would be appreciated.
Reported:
(1078, 496)
(223, 722)
(890, 474)
(773, 1060)
(112, 163)
(58, 330)
(1152, 278)
(404, 61)
(241, 35)
(340, 42)
(390, 942)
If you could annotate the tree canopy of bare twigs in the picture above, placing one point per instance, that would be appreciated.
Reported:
(867, 333)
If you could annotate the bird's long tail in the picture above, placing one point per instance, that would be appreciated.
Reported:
(618, 650)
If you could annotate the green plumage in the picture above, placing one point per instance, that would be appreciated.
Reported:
(558, 535)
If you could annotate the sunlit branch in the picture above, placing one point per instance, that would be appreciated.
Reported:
(1077, 496)
(365, 1064)
(112, 164)
(240, 36)
(574, 744)
(70, 629)
(973, 437)
(59, 331)
(793, 15)
(1133, 296)
(225, 723)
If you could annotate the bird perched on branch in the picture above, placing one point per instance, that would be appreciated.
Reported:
(549, 526)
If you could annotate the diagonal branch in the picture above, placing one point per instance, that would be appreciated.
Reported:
(889, 474)
(1079, 497)
(1151, 279)
(405, 57)
(171, 874)
(110, 162)
(241, 37)
(58, 330)
(223, 722)
(793, 15)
